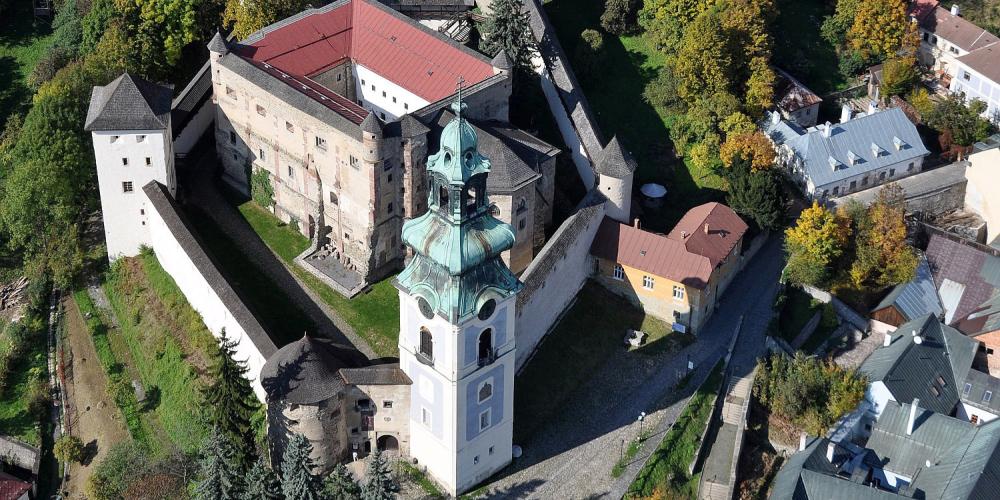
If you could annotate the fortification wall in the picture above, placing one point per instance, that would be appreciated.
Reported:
(204, 287)
(555, 275)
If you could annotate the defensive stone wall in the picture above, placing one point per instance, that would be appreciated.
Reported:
(189, 115)
(556, 274)
(932, 192)
(204, 287)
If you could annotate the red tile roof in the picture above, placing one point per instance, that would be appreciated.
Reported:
(725, 229)
(372, 35)
(921, 8)
(12, 488)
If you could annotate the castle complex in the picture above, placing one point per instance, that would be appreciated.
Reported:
(333, 111)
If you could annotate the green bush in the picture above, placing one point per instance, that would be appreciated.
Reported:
(589, 53)
(261, 189)
(620, 17)
(68, 449)
(124, 463)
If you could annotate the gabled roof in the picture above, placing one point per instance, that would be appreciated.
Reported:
(956, 30)
(791, 95)
(968, 281)
(372, 35)
(614, 161)
(984, 61)
(890, 130)
(724, 230)
(979, 384)
(935, 436)
(809, 475)
(129, 103)
(915, 298)
(910, 370)
(969, 470)
(12, 488)
(653, 253)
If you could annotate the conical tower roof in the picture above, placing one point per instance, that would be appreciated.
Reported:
(372, 125)
(218, 44)
(129, 103)
(501, 61)
(306, 371)
(614, 160)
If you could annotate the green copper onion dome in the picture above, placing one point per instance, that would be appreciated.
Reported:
(458, 160)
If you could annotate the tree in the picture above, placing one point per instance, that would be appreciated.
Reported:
(221, 470)
(963, 123)
(589, 53)
(158, 30)
(620, 17)
(297, 479)
(247, 16)
(666, 20)
(125, 462)
(755, 195)
(882, 257)
(737, 123)
(67, 30)
(661, 93)
(899, 74)
(378, 482)
(704, 155)
(45, 69)
(507, 29)
(703, 64)
(261, 483)
(95, 22)
(920, 99)
(878, 28)
(816, 240)
(755, 147)
(834, 28)
(760, 86)
(68, 449)
(340, 485)
(230, 400)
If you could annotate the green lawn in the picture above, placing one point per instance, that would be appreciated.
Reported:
(588, 334)
(828, 323)
(15, 419)
(374, 314)
(615, 97)
(23, 41)
(798, 308)
(666, 471)
(799, 48)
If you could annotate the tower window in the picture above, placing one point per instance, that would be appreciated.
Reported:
(149, 161)
(261, 111)
(389, 208)
(426, 344)
(485, 391)
(425, 416)
(289, 127)
(443, 197)
(522, 224)
(387, 404)
(321, 143)
(485, 419)
(291, 172)
(333, 198)
(114, 138)
(140, 138)
(486, 355)
(127, 187)
(260, 154)
(353, 161)
(125, 161)
(232, 137)
(678, 292)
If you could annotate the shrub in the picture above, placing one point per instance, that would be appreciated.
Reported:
(589, 52)
(54, 60)
(620, 17)
(39, 398)
(68, 449)
(125, 462)
(261, 189)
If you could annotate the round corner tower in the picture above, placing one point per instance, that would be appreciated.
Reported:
(615, 170)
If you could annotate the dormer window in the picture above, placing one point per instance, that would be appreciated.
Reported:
(898, 143)
(852, 158)
(876, 150)
(834, 164)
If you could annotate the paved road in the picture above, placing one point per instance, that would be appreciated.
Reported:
(202, 192)
(572, 456)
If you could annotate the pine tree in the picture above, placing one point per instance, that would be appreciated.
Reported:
(340, 485)
(231, 401)
(297, 479)
(222, 473)
(507, 29)
(757, 195)
(261, 483)
(378, 482)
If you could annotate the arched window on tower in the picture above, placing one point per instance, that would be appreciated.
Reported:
(443, 197)
(486, 354)
(485, 391)
(522, 205)
(426, 345)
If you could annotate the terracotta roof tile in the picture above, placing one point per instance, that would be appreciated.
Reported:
(725, 229)
(653, 253)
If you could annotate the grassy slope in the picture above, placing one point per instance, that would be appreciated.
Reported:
(23, 41)
(168, 343)
(588, 334)
(616, 99)
(15, 420)
(373, 315)
(667, 468)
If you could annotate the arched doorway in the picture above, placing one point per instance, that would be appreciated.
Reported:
(388, 443)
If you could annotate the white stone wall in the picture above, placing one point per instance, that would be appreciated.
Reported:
(388, 100)
(126, 213)
(982, 194)
(194, 129)
(966, 412)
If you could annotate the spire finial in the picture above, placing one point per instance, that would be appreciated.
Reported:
(458, 105)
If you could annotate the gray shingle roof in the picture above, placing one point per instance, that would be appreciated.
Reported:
(971, 469)
(129, 103)
(389, 374)
(371, 124)
(934, 437)
(191, 99)
(979, 384)
(614, 160)
(808, 475)
(501, 61)
(915, 298)
(910, 370)
(218, 44)
(306, 371)
(968, 278)
(853, 137)
(412, 127)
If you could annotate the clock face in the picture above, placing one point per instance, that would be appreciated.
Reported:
(486, 310)
(425, 308)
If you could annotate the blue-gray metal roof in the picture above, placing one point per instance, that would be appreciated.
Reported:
(978, 384)
(915, 298)
(934, 437)
(853, 138)
(970, 470)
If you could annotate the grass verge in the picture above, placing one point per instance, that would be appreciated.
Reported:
(24, 39)
(25, 377)
(415, 475)
(666, 472)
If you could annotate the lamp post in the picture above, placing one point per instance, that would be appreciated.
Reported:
(642, 416)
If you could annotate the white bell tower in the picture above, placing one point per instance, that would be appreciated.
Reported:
(457, 301)
(129, 121)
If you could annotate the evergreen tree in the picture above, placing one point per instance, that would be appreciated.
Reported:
(620, 17)
(222, 474)
(261, 483)
(507, 29)
(756, 195)
(378, 482)
(297, 479)
(231, 401)
(340, 485)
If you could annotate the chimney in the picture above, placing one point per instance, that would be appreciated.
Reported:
(914, 406)
(706, 228)
(636, 223)
(830, 447)
(845, 113)
(955, 11)
(775, 117)
(684, 234)
(872, 107)
(802, 441)
(827, 129)
(887, 341)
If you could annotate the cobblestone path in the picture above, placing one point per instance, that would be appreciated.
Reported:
(572, 456)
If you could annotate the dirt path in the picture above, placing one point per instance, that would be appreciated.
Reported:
(92, 415)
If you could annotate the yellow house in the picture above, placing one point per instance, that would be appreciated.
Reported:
(678, 277)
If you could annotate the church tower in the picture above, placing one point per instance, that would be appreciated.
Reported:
(457, 301)
(129, 121)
